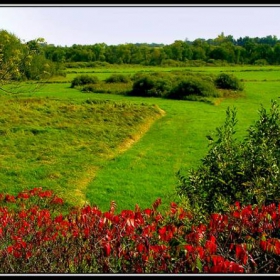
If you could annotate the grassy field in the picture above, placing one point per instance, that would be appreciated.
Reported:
(55, 144)
(103, 147)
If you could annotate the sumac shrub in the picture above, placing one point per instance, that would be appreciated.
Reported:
(247, 171)
(84, 79)
(228, 81)
(36, 238)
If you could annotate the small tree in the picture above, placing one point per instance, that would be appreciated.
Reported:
(11, 55)
(20, 61)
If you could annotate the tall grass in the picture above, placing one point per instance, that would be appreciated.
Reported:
(54, 143)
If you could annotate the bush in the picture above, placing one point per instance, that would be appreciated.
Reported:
(37, 238)
(157, 85)
(117, 78)
(261, 62)
(88, 64)
(89, 88)
(172, 63)
(175, 85)
(115, 88)
(81, 80)
(247, 171)
(190, 86)
(228, 81)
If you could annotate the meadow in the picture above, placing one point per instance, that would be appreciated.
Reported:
(98, 147)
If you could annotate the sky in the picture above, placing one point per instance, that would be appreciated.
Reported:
(114, 25)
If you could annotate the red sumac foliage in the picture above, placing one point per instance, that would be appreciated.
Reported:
(37, 239)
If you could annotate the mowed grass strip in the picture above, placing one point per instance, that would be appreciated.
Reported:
(59, 144)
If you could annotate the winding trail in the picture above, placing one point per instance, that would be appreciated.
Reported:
(146, 171)
(82, 183)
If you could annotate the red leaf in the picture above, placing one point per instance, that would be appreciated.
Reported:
(215, 217)
(86, 232)
(57, 200)
(189, 248)
(107, 249)
(238, 251)
(58, 219)
(23, 195)
(217, 259)
(116, 219)
(162, 230)
(28, 255)
(236, 214)
(277, 247)
(245, 259)
(10, 198)
(10, 249)
(241, 253)
(237, 204)
(156, 203)
(140, 248)
(263, 245)
(211, 245)
(148, 212)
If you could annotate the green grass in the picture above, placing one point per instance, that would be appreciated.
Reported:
(48, 140)
(54, 143)
(147, 171)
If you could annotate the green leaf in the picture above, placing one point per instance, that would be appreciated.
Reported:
(199, 265)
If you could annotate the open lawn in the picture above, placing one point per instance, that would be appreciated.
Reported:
(103, 147)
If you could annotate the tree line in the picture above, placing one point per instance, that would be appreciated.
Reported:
(35, 59)
(223, 48)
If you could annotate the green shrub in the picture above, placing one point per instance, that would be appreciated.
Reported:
(88, 64)
(118, 78)
(261, 62)
(190, 86)
(151, 85)
(89, 88)
(114, 88)
(247, 171)
(84, 79)
(228, 81)
(172, 63)
(175, 85)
